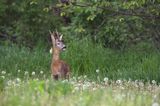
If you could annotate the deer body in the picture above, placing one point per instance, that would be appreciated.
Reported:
(59, 68)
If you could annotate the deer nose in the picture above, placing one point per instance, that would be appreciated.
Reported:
(64, 48)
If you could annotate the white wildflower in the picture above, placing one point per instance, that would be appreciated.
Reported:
(119, 82)
(105, 79)
(18, 80)
(153, 82)
(33, 73)
(3, 77)
(19, 71)
(76, 88)
(121, 87)
(97, 71)
(141, 84)
(9, 83)
(50, 51)
(74, 78)
(13, 82)
(80, 77)
(94, 89)
(64, 81)
(41, 72)
(155, 104)
(154, 97)
(85, 76)
(84, 87)
(26, 72)
(3, 72)
(93, 83)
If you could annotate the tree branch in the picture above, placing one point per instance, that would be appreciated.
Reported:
(122, 12)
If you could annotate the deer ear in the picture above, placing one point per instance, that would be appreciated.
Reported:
(61, 37)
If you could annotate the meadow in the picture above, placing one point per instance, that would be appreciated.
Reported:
(100, 76)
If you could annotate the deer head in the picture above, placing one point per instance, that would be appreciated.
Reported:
(57, 41)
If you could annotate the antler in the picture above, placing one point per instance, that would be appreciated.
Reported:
(60, 38)
(52, 37)
(55, 35)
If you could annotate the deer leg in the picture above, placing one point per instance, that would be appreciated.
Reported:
(55, 77)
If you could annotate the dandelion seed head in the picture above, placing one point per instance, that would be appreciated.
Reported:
(85, 76)
(33, 73)
(154, 97)
(105, 79)
(94, 89)
(3, 72)
(85, 87)
(26, 72)
(97, 70)
(19, 71)
(153, 82)
(3, 77)
(41, 72)
(76, 88)
(18, 80)
(118, 81)
(155, 104)
(9, 82)
(141, 84)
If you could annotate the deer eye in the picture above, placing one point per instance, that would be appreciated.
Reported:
(58, 43)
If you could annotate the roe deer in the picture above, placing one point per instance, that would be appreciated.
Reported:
(59, 68)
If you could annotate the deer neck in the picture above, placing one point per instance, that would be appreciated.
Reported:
(56, 54)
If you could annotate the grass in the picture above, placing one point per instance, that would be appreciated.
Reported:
(100, 76)
(85, 58)
(78, 92)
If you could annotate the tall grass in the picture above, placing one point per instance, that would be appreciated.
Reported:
(85, 58)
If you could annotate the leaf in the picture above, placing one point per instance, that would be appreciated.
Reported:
(91, 17)
(62, 14)
(46, 9)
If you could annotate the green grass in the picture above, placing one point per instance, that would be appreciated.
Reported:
(133, 76)
(78, 92)
(85, 58)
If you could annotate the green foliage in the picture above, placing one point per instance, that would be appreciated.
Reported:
(117, 24)
(31, 20)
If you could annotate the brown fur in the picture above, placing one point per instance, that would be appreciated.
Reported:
(59, 68)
